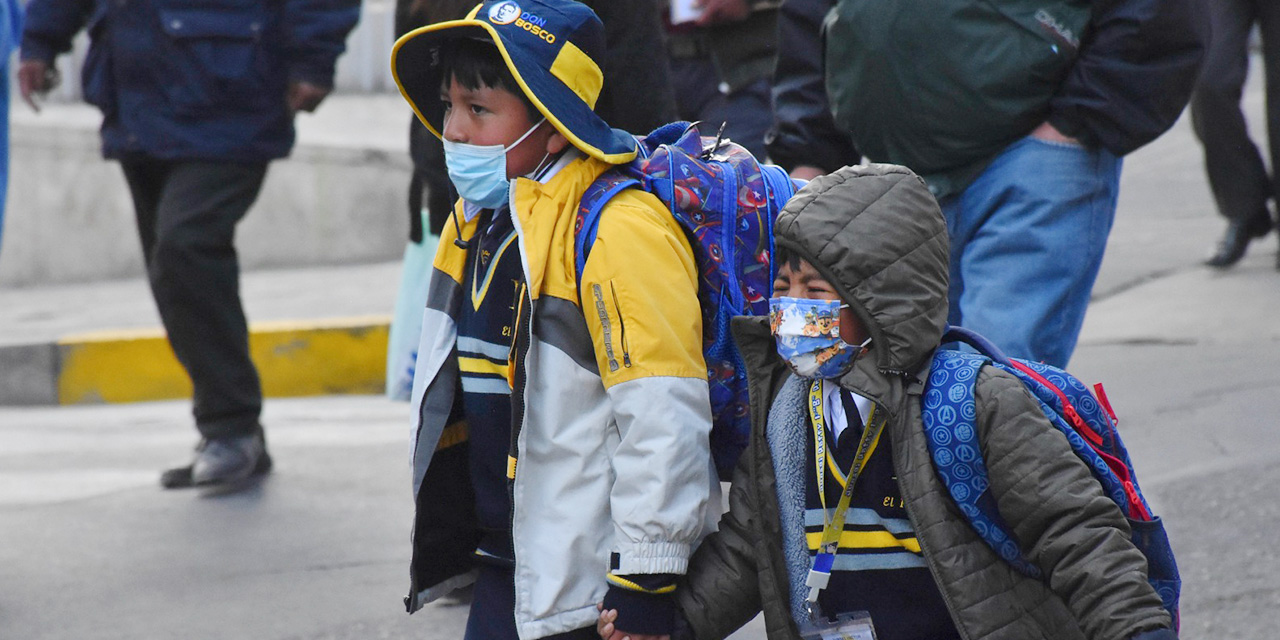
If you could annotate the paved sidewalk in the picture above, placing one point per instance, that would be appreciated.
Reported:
(315, 330)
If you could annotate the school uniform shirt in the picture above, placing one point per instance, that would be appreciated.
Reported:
(879, 567)
(492, 291)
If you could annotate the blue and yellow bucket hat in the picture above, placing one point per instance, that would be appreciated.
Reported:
(551, 48)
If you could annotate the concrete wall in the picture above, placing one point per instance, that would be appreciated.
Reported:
(339, 199)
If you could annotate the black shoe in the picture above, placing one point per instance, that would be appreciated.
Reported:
(1231, 248)
(221, 461)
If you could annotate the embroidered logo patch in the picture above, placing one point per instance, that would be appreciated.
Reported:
(504, 13)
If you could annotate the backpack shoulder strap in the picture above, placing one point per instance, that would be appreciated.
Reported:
(949, 409)
(594, 199)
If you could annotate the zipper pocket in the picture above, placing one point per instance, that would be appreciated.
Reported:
(604, 324)
(622, 327)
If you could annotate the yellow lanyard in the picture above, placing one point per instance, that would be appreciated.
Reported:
(834, 526)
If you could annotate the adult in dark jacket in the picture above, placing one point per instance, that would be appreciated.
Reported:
(722, 66)
(876, 236)
(196, 100)
(1238, 177)
(804, 139)
(1017, 114)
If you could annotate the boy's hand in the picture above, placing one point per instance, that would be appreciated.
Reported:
(604, 627)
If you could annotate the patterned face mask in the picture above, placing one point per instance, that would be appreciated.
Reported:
(807, 333)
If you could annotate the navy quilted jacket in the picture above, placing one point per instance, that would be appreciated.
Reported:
(185, 80)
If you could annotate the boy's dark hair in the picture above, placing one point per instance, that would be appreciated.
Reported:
(478, 63)
(783, 255)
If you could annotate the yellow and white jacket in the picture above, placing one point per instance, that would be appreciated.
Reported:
(610, 465)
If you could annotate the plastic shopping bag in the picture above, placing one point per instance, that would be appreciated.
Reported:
(406, 324)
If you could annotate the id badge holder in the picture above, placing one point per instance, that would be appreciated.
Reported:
(846, 626)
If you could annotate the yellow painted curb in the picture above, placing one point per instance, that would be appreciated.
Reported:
(343, 355)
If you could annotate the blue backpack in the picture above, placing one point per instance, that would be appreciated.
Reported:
(727, 201)
(1089, 424)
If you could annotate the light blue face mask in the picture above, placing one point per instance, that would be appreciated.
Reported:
(479, 172)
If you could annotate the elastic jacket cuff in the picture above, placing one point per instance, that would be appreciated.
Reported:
(33, 49)
(643, 612)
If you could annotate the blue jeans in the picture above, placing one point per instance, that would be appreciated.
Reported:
(1027, 238)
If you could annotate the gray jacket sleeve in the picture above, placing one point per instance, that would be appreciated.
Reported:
(1060, 515)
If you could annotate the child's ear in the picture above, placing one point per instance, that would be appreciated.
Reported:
(557, 142)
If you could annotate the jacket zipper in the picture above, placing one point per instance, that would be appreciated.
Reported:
(728, 240)
(604, 323)
(522, 339)
(622, 328)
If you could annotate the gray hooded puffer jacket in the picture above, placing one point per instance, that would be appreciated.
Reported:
(878, 236)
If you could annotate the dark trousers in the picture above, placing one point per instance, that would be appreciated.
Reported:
(493, 606)
(1237, 174)
(187, 213)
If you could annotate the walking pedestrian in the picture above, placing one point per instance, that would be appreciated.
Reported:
(836, 508)
(196, 100)
(544, 471)
(1017, 115)
(1238, 177)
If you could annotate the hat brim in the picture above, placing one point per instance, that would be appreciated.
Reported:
(420, 82)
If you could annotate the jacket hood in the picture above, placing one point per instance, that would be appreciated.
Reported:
(877, 234)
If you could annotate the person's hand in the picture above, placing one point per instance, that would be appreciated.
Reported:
(1050, 133)
(35, 78)
(304, 96)
(718, 11)
(604, 624)
(604, 627)
(806, 172)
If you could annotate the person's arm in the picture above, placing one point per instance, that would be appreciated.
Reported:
(1064, 522)
(1136, 69)
(804, 132)
(639, 300)
(315, 35)
(47, 32)
(50, 26)
(721, 591)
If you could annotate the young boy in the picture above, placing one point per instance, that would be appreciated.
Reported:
(561, 433)
(868, 245)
